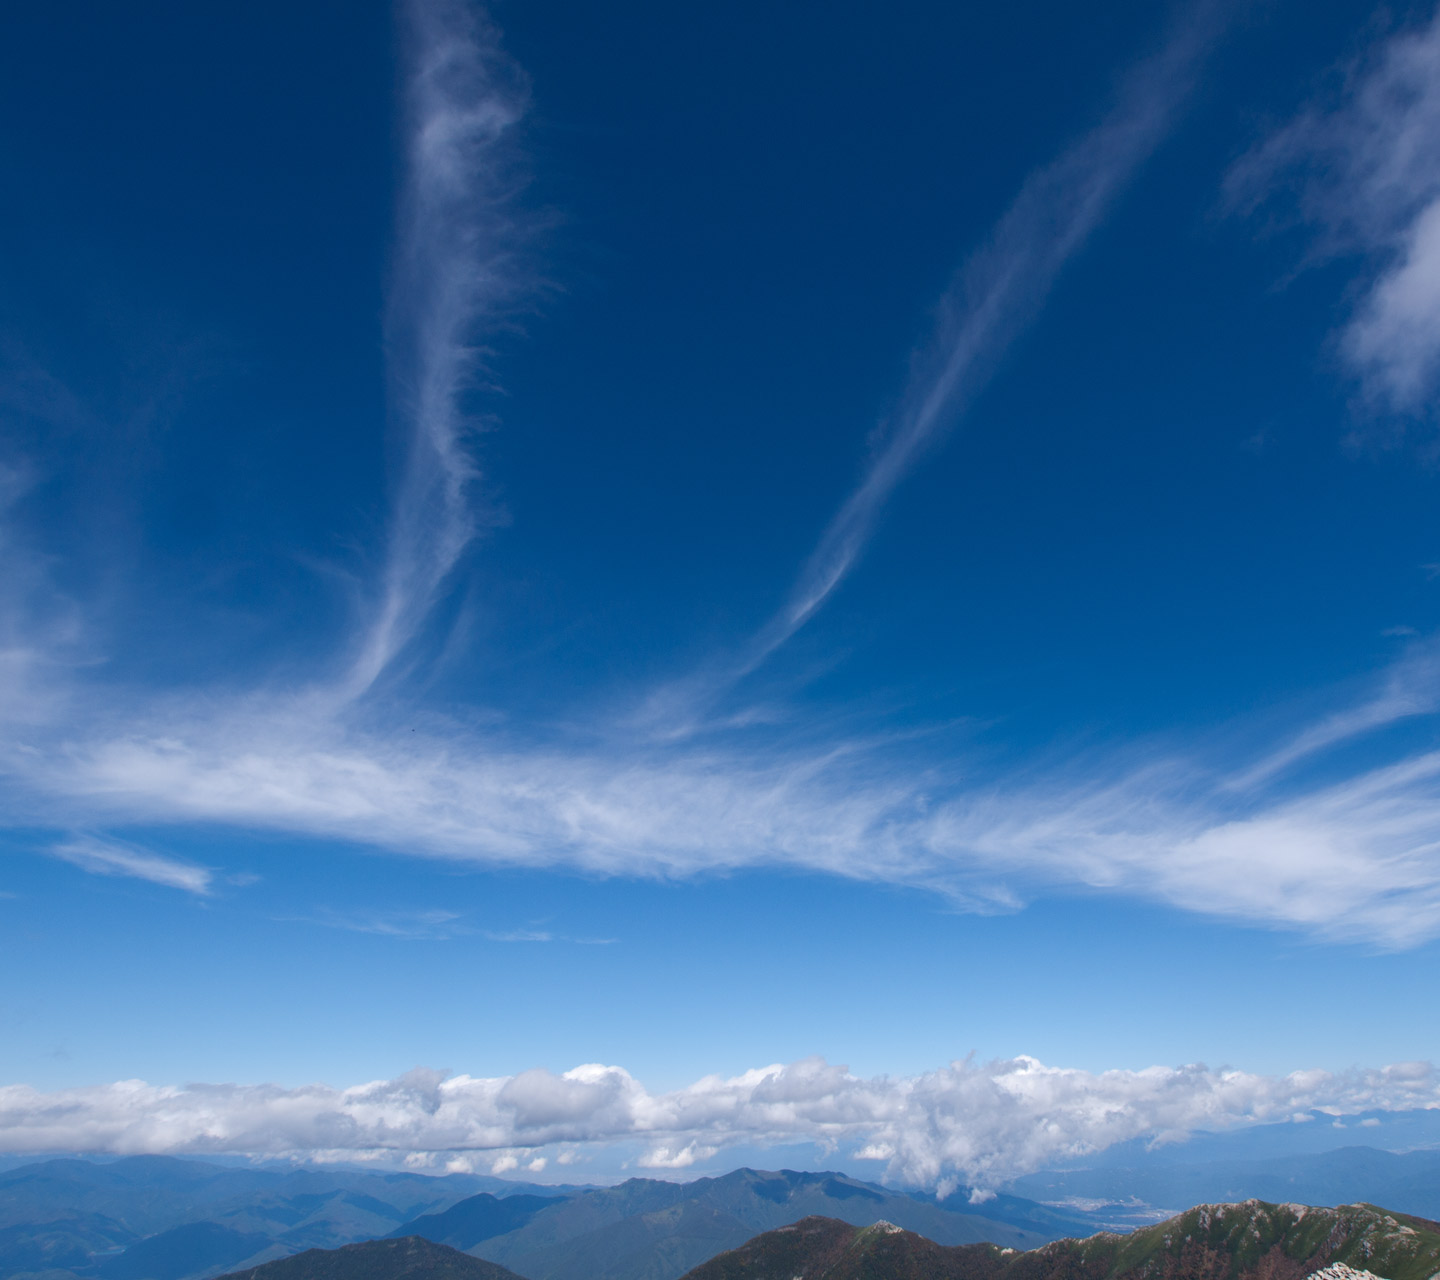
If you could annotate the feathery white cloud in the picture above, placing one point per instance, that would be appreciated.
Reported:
(974, 1123)
(1364, 173)
(993, 299)
(110, 858)
(1357, 857)
(455, 280)
(432, 925)
(1354, 855)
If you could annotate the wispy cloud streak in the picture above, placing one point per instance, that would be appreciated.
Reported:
(455, 277)
(433, 925)
(1362, 173)
(980, 1123)
(1410, 688)
(111, 858)
(993, 299)
(1356, 857)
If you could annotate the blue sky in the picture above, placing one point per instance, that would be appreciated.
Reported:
(703, 542)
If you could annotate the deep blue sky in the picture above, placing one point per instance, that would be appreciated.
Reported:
(1078, 759)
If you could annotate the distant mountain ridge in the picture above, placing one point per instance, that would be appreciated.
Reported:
(1407, 1182)
(645, 1229)
(400, 1259)
(158, 1218)
(196, 1246)
(161, 1218)
(155, 1218)
(1249, 1241)
(479, 1217)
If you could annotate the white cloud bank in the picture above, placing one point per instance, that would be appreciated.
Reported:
(1365, 172)
(970, 1123)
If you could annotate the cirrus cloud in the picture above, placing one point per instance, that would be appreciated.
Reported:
(1361, 172)
(1286, 842)
(110, 858)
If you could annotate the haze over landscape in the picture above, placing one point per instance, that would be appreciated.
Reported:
(627, 628)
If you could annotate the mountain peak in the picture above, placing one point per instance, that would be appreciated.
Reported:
(1252, 1240)
(410, 1258)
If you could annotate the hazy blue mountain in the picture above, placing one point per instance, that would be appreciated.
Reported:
(147, 1194)
(154, 1218)
(410, 1256)
(466, 1224)
(314, 1221)
(1048, 1220)
(187, 1218)
(1251, 1241)
(645, 1229)
(182, 1251)
(658, 1245)
(1315, 1134)
(59, 1243)
(1407, 1181)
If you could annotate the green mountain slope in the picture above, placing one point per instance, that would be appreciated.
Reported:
(1249, 1241)
(379, 1260)
(1264, 1241)
(824, 1249)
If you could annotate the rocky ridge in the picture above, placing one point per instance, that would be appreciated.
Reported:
(1248, 1241)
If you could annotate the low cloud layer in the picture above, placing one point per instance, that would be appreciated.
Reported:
(968, 1123)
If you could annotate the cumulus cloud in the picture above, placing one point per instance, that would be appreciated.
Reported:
(109, 858)
(664, 1157)
(1362, 172)
(973, 1123)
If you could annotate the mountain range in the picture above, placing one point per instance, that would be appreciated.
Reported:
(154, 1218)
(158, 1218)
(1408, 1181)
(476, 1218)
(1249, 1241)
(649, 1230)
